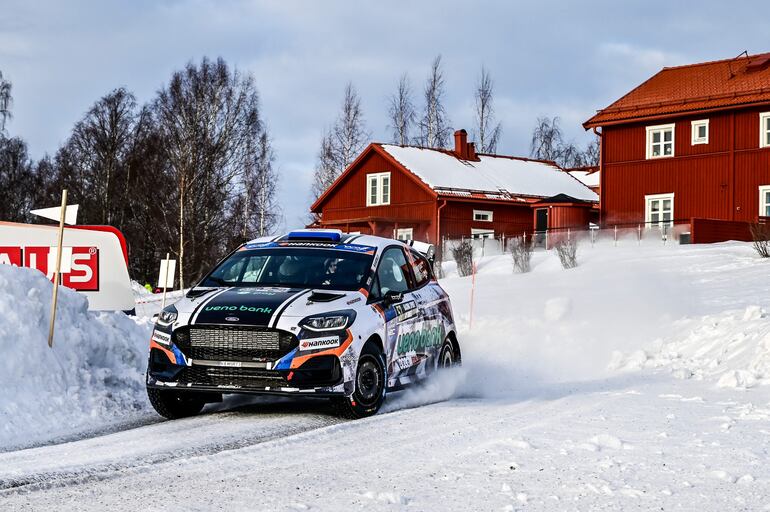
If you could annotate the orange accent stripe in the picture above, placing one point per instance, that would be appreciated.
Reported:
(363, 292)
(337, 351)
(169, 354)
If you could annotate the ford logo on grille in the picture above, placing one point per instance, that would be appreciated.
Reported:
(232, 318)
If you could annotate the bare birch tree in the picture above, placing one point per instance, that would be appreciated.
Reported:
(205, 117)
(342, 143)
(434, 124)
(257, 206)
(487, 132)
(401, 112)
(548, 144)
(97, 152)
(5, 102)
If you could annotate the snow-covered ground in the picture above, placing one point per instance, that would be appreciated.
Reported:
(636, 381)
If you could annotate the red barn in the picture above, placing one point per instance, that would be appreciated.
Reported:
(428, 194)
(691, 142)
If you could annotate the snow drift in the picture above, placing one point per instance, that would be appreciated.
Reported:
(93, 376)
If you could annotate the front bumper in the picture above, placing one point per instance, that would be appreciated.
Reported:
(320, 375)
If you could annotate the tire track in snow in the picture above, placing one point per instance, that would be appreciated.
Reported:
(131, 451)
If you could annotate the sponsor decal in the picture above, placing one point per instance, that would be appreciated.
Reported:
(246, 309)
(404, 362)
(161, 337)
(406, 310)
(82, 272)
(319, 343)
(357, 299)
(355, 248)
(231, 364)
(232, 318)
(420, 340)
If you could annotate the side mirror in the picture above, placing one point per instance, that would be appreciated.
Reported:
(392, 297)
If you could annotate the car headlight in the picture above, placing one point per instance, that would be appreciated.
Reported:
(334, 321)
(168, 315)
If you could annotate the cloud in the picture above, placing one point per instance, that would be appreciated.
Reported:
(552, 58)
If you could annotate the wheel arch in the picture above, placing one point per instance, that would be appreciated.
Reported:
(455, 344)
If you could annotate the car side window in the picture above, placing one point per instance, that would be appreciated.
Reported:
(421, 269)
(393, 272)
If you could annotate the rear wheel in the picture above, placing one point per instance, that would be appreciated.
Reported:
(174, 404)
(449, 355)
(369, 395)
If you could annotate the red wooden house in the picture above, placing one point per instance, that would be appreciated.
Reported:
(692, 142)
(428, 194)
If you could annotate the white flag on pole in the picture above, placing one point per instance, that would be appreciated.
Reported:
(162, 273)
(70, 216)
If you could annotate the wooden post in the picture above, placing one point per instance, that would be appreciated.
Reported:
(616, 235)
(58, 267)
(165, 282)
(473, 290)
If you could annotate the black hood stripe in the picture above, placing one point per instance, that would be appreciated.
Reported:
(205, 301)
(285, 305)
(244, 306)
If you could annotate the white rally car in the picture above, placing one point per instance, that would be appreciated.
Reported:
(313, 312)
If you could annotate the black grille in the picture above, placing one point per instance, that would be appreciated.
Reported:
(247, 378)
(234, 343)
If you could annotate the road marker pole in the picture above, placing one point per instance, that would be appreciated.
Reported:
(473, 290)
(165, 283)
(58, 267)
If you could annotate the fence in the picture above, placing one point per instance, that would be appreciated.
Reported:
(621, 234)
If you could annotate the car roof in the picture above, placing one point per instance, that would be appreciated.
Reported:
(310, 235)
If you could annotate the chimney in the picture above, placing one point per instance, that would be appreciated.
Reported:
(472, 151)
(461, 144)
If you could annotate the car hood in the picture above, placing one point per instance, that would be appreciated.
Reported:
(261, 305)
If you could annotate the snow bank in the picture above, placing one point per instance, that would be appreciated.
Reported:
(731, 348)
(93, 376)
(697, 311)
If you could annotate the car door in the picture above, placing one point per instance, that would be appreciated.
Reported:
(394, 275)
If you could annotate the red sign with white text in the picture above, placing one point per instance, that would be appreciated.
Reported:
(10, 256)
(81, 272)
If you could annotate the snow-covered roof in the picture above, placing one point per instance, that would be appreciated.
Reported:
(442, 170)
(589, 179)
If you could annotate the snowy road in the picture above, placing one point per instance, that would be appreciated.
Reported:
(638, 381)
(641, 441)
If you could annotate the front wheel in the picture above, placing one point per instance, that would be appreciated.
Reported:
(369, 395)
(174, 404)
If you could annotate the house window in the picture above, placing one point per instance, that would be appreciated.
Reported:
(764, 130)
(482, 215)
(482, 233)
(764, 201)
(378, 189)
(405, 234)
(659, 210)
(660, 141)
(700, 132)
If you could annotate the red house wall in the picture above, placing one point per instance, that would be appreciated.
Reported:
(409, 202)
(563, 217)
(507, 219)
(718, 180)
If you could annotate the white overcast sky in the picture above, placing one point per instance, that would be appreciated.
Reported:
(563, 59)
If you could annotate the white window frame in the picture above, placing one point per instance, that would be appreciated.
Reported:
(405, 234)
(648, 209)
(763, 204)
(662, 128)
(694, 126)
(378, 180)
(764, 132)
(483, 213)
(482, 233)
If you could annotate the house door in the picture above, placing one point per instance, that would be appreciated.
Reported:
(541, 220)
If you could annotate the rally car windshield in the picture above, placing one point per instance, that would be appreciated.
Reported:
(292, 267)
